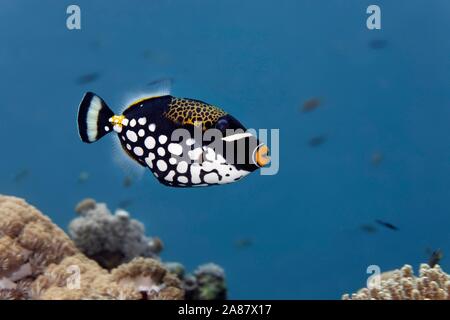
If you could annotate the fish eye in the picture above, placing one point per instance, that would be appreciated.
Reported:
(222, 124)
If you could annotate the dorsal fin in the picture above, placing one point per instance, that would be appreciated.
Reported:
(157, 88)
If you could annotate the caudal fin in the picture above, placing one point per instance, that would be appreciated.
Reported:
(93, 118)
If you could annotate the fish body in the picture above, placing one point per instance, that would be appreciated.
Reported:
(317, 140)
(146, 131)
(435, 257)
(386, 224)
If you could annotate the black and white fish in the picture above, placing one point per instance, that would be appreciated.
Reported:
(145, 131)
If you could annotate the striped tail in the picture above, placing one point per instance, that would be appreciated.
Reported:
(93, 118)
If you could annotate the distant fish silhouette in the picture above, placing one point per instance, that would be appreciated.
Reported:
(127, 181)
(21, 175)
(317, 140)
(377, 158)
(368, 228)
(243, 243)
(435, 257)
(378, 44)
(311, 104)
(386, 224)
(83, 177)
(88, 78)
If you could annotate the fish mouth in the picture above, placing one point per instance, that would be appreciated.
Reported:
(260, 156)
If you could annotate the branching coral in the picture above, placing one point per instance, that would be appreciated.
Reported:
(431, 284)
(110, 239)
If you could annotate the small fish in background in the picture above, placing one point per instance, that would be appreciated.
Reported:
(83, 177)
(317, 140)
(435, 257)
(127, 181)
(310, 105)
(377, 44)
(124, 204)
(21, 175)
(88, 78)
(386, 225)
(243, 243)
(377, 158)
(368, 228)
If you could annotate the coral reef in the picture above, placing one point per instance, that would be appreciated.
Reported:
(402, 284)
(150, 278)
(140, 279)
(39, 261)
(206, 283)
(109, 239)
(29, 242)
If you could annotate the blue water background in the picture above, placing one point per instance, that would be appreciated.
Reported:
(259, 60)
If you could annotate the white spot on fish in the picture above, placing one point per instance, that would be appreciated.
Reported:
(152, 127)
(117, 128)
(169, 177)
(190, 142)
(162, 139)
(141, 132)
(175, 148)
(149, 142)
(131, 135)
(149, 159)
(182, 167)
(211, 178)
(183, 179)
(161, 151)
(142, 121)
(106, 128)
(133, 122)
(138, 151)
(172, 161)
(162, 165)
(195, 154)
(128, 147)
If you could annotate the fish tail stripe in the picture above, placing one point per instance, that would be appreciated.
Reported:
(93, 118)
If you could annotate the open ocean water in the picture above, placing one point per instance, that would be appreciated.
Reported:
(383, 93)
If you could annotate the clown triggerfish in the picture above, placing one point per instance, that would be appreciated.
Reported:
(160, 132)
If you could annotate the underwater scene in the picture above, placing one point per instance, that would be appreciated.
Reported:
(339, 189)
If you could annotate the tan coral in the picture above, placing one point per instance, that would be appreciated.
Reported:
(78, 277)
(149, 277)
(85, 205)
(39, 261)
(29, 242)
(430, 284)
